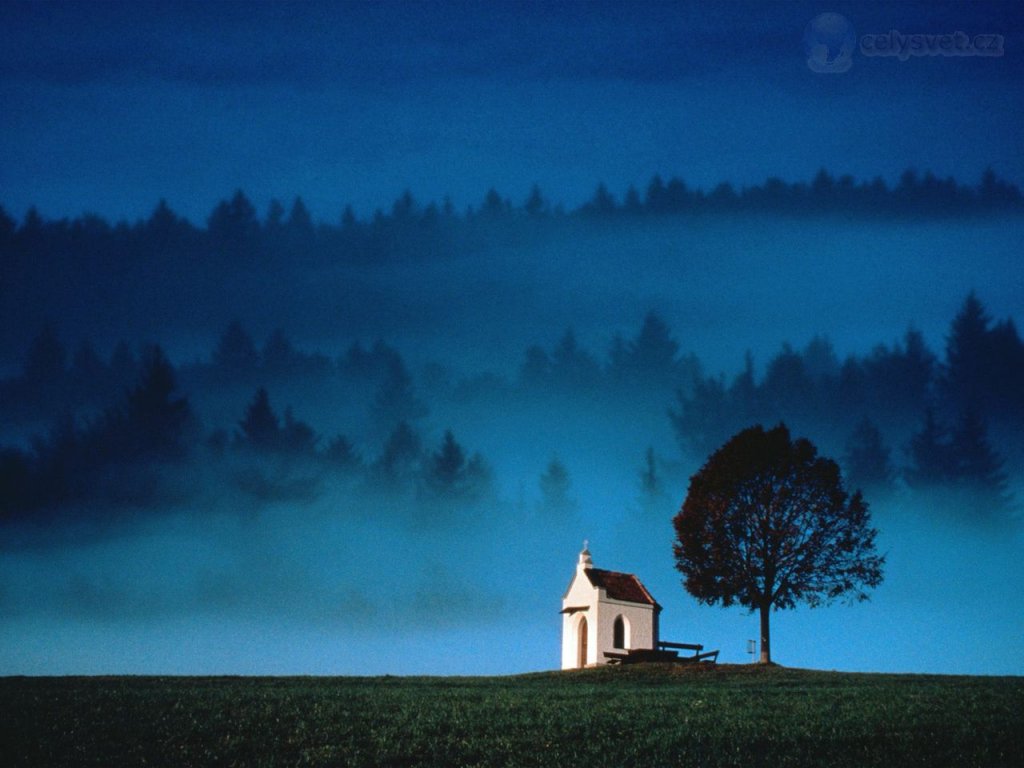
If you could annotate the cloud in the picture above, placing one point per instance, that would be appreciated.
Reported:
(312, 43)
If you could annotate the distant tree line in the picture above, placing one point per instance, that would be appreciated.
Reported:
(147, 269)
(899, 415)
(235, 230)
(945, 406)
(142, 451)
(235, 224)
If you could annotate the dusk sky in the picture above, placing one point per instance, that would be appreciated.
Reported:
(107, 108)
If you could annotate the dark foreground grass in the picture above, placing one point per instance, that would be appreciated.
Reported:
(647, 715)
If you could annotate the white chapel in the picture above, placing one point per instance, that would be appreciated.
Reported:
(605, 612)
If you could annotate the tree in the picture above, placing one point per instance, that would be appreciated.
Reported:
(572, 366)
(450, 475)
(979, 468)
(787, 386)
(535, 204)
(156, 420)
(649, 359)
(89, 373)
(164, 226)
(279, 355)
(493, 206)
(446, 466)
(235, 353)
(299, 221)
(400, 458)
(395, 400)
(967, 355)
(260, 429)
(932, 458)
(984, 363)
(867, 461)
(554, 488)
(297, 437)
(536, 368)
(275, 217)
(703, 416)
(962, 465)
(46, 362)
(655, 200)
(7, 227)
(652, 487)
(341, 454)
(601, 204)
(233, 223)
(767, 523)
(124, 368)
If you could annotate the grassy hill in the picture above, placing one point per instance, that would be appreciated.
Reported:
(649, 715)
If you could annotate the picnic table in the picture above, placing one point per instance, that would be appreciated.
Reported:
(698, 654)
(665, 652)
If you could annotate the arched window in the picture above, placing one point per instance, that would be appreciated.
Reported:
(619, 639)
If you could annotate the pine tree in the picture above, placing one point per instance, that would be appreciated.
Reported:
(341, 454)
(967, 356)
(297, 437)
(450, 476)
(652, 357)
(156, 420)
(401, 456)
(278, 355)
(535, 204)
(396, 400)
(867, 463)
(446, 467)
(235, 353)
(652, 490)
(979, 468)
(261, 428)
(46, 362)
(932, 460)
(554, 488)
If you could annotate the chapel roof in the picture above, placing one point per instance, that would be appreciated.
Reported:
(620, 586)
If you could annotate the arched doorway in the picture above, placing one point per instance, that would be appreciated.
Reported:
(582, 641)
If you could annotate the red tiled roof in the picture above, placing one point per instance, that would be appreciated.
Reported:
(620, 586)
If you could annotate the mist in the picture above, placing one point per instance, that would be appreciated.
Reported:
(347, 586)
(241, 560)
(328, 333)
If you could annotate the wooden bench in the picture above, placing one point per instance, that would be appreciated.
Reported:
(698, 655)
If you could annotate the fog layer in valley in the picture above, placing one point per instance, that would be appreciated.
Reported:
(287, 551)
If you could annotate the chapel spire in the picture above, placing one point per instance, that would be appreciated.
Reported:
(585, 561)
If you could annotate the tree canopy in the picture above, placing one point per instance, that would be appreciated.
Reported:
(768, 524)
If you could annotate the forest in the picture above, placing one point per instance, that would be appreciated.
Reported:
(127, 434)
(92, 431)
(140, 273)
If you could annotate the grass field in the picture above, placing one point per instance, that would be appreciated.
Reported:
(645, 715)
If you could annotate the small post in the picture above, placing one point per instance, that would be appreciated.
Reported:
(751, 649)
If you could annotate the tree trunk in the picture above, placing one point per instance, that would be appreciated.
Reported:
(766, 644)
